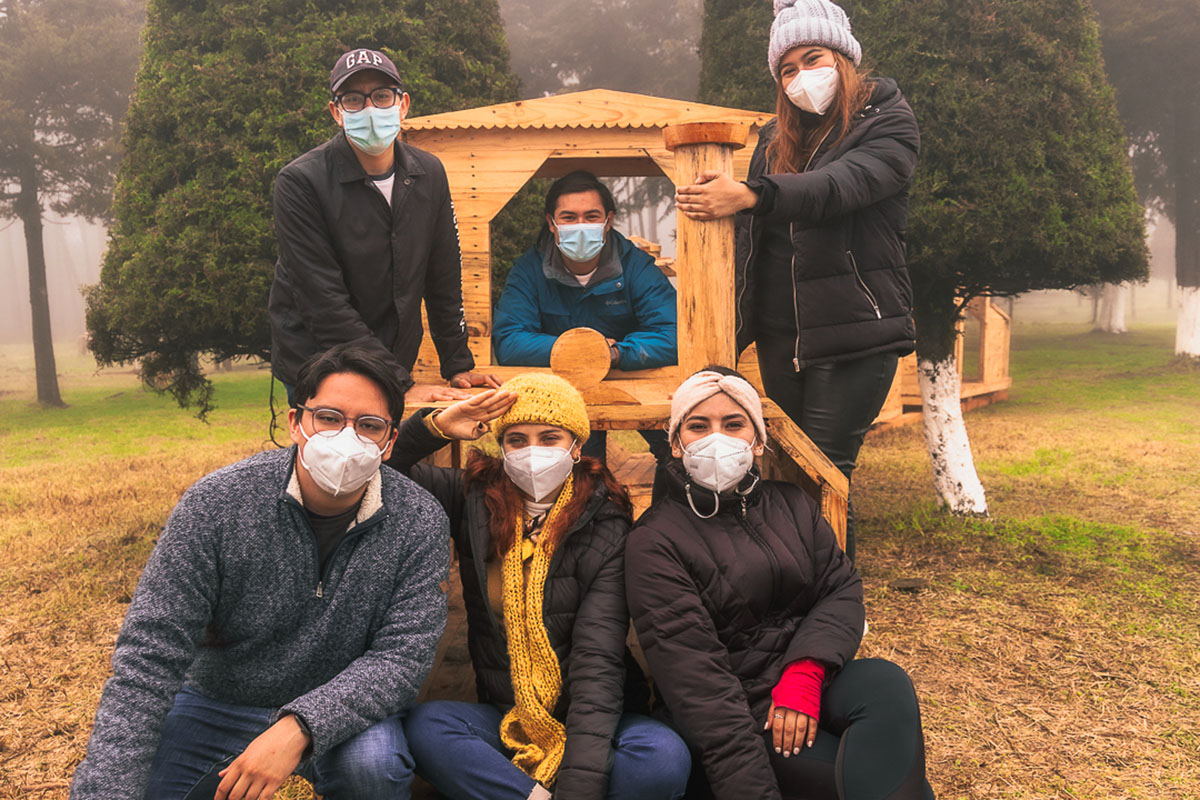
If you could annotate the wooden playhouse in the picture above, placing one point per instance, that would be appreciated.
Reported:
(491, 152)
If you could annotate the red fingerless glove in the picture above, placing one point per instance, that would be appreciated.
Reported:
(800, 687)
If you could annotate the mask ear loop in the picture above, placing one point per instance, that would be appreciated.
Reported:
(687, 489)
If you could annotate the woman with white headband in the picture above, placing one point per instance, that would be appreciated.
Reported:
(750, 614)
(822, 281)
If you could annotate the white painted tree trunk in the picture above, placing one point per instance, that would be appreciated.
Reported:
(1111, 318)
(1187, 326)
(954, 475)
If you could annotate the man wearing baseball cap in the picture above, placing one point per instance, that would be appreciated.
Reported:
(367, 231)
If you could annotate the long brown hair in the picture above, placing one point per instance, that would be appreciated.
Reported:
(795, 142)
(505, 504)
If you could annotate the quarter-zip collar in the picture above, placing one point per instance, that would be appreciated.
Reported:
(371, 512)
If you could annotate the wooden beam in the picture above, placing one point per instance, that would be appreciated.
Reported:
(704, 250)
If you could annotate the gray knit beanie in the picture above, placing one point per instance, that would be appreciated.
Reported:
(817, 22)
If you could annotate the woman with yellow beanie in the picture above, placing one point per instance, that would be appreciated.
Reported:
(540, 536)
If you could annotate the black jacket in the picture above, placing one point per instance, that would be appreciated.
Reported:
(847, 215)
(351, 269)
(722, 605)
(583, 608)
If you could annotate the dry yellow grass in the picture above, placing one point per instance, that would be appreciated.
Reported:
(1055, 649)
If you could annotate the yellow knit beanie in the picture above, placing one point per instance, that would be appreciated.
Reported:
(544, 398)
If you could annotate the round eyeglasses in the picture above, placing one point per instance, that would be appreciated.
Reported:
(331, 422)
(383, 97)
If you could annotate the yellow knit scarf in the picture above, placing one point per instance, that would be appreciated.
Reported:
(529, 728)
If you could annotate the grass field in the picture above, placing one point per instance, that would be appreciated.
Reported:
(1056, 648)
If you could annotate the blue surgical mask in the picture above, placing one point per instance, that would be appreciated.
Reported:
(581, 242)
(372, 130)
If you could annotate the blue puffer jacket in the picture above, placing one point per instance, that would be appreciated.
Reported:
(627, 299)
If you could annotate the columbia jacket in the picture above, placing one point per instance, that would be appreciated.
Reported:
(847, 214)
(627, 299)
(353, 269)
(233, 602)
(583, 608)
(722, 605)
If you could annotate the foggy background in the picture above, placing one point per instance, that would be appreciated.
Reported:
(647, 46)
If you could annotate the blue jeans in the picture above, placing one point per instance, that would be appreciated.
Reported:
(202, 736)
(457, 748)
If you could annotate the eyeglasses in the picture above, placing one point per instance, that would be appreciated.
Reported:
(383, 97)
(331, 422)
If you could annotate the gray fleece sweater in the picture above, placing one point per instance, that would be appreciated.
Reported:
(232, 602)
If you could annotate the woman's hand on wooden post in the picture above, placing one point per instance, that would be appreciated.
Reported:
(468, 420)
(790, 730)
(714, 195)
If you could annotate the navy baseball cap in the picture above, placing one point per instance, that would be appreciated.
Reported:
(357, 60)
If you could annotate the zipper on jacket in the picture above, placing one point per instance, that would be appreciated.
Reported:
(792, 238)
(776, 570)
(858, 277)
(737, 303)
(353, 533)
(795, 298)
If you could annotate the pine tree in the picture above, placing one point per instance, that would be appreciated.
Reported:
(67, 67)
(1152, 53)
(1023, 182)
(228, 92)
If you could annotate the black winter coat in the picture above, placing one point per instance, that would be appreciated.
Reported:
(722, 605)
(353, 269)
(583, 608)
(847, 214)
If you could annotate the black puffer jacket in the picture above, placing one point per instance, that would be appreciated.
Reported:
(847, 215)
(722, 605)
(583, 609)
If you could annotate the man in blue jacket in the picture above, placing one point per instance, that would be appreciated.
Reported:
(287, 617)
(582, 273)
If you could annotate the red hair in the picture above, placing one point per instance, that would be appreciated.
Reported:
(506, 504)
(795, 142)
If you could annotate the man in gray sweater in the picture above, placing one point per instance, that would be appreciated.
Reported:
(287, 616)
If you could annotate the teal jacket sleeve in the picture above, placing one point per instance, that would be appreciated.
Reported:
(516, 335)
(653, 343)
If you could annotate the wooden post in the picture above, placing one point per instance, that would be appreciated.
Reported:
(704, 250)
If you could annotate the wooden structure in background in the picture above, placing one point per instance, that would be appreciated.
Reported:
(988, 382)
(491, 152)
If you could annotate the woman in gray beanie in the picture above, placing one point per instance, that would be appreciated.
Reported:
(822, 284)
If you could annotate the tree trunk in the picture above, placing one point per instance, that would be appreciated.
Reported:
(1187, 326)
(29, 209)
(1111, 318)
(954, 476)
(1187, 225)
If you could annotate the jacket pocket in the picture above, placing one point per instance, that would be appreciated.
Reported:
(858, 278)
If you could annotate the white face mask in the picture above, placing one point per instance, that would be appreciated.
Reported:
(340, 464)
(538, 471)
(718, 462)
(813, 89)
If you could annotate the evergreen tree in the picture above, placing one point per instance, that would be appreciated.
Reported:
(733, 54)
(67, 67)
(1152, 53)
(1023, 182)
(228, 92)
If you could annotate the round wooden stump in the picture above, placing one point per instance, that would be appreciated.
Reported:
(582, 356)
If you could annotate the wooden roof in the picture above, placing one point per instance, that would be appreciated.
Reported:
(595, 108)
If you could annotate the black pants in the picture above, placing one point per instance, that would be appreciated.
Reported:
(869, 745)
(834, 404)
